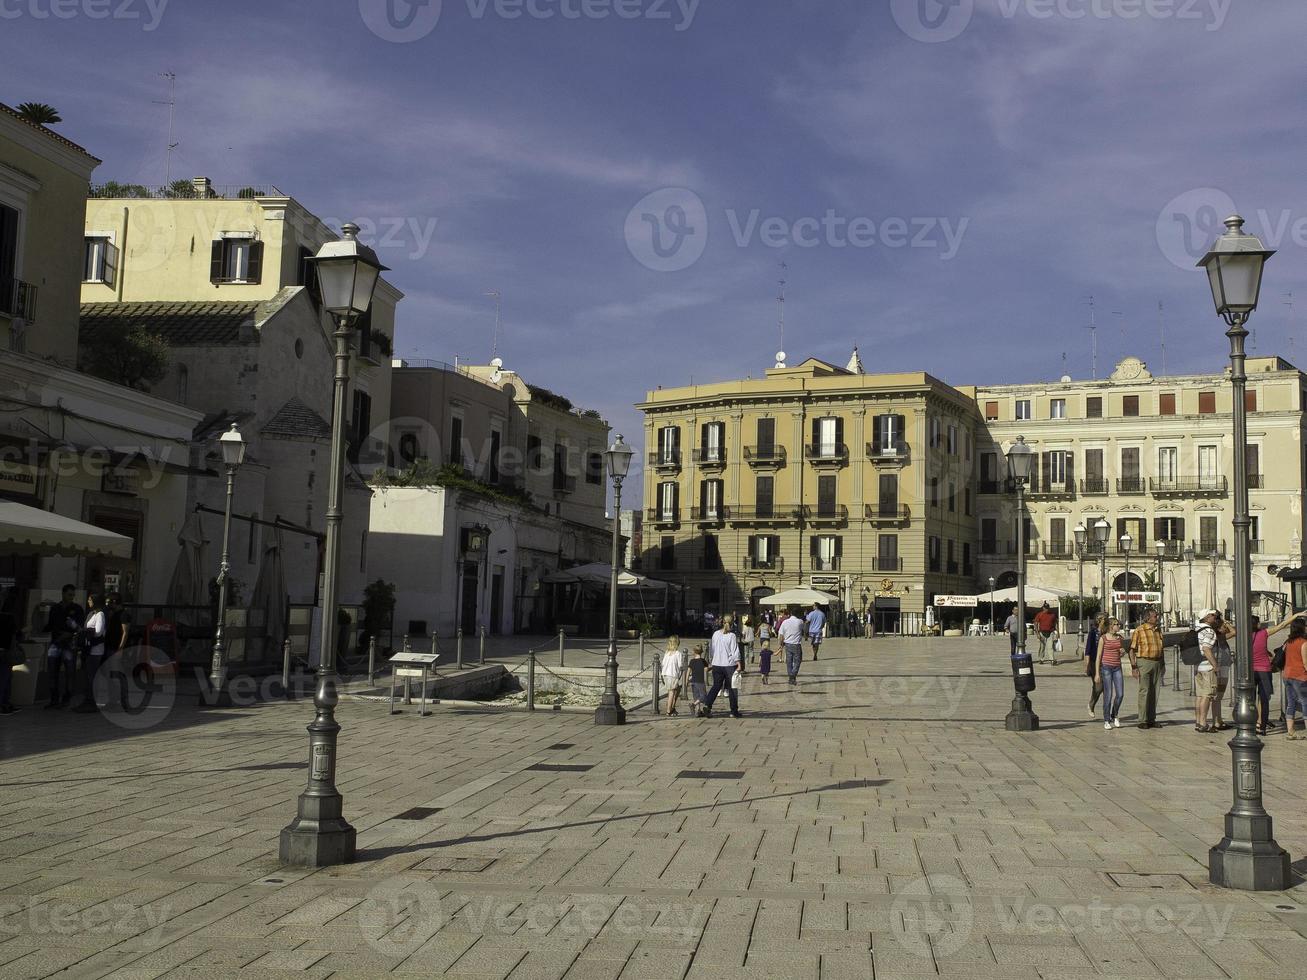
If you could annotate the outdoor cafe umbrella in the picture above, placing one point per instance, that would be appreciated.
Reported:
(799, 597)
(270, 596)
(188, 587)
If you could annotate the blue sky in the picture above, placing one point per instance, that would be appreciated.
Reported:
(946, 183)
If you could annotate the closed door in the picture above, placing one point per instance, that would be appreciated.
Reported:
(1130, 466)
(766, 436)
(764, 496)
(887, 553)
(468, 608)
(1207, 469)
(826, 496)
(889, 495)
(1168, 465)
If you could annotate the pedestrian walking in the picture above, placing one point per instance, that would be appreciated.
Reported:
(1295, 677)
(672, 668)
(1224, 664)
(1148, 666)
(93, 636)
(815, 622)
(1046, 626)
(697, 671)
(764, 651)
(1010, 626)
(791, 635)
(746, 641)
(725, 662)
(1262, 672)
(64, 625)
(1110, 647)
(1212, 640)
(1096, 630)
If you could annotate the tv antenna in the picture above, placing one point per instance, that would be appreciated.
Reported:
(1121, 320)
(1161, 332)
(1288, 301)
(1093, 335)
(499, 321)
(172, 110)
(780, 301)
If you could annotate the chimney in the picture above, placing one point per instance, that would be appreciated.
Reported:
(203, 187)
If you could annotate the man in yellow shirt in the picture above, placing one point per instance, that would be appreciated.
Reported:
(1147, 666)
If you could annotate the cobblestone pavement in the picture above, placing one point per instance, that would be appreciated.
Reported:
(877, 821)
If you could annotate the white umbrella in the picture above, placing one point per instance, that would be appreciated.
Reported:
(798, 597)
(188, 586)
(1035, 595)
(599, 573)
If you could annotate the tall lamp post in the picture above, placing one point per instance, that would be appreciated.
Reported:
(991, 605)
(610, 710)
(1022, 717)
(233, 454)
(1082, 534)
(1127, 543)
(1103, 531)
(319, 835)
(1160, 546)
(1247, 857)
(1189, 557)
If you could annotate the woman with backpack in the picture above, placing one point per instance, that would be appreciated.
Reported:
(1262, 667)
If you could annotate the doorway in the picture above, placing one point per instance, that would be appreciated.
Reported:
(496, 600)
(888, 616)
(467, 620)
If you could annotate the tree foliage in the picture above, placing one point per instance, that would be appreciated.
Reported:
(131, 356)
(39, 113)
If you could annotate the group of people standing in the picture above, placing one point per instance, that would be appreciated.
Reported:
(730, 653)
(1106, 647)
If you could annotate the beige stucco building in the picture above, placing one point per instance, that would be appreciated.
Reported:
(888, 490)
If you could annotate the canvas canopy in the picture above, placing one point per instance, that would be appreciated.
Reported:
(601, 573)
(28, 531)
(1035, 595)
(799, 597)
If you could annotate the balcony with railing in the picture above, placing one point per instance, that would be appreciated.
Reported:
(709, 515)
(18, 299)
(838, 514)
(825, 564)
(1061, 490)
(765, 457)
(1059, 549)
(827, 454)
(1131, 486)
(882, 563)
(1204, 486)
(989, 487)
(1209, 549)
(665, 460)
(710, 457)
(663, 516)
(889, 452)
(888, 513)
(773, 564)
(1170, 549)
(1095, 487)
(775, 514)
(1255, 481)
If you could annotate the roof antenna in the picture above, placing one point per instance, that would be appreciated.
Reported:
(1093, 335)
(172, 108)
(1289, 303)
(1121, 320)
(780, 302)
(499, 322)
(1161, 332)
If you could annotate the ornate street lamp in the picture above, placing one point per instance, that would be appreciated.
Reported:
(233, 454)
(1082, 535)
(1247, 857)
(1160, 546)
(610, 710)
(319, 835)
(1022, 717)
(1103, 531)
(1127, 543)
(1189, 557)
(991, 605)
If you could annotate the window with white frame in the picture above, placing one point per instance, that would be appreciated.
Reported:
(236, 259)
(826, 553)
(1057, 408)
(100, 262)
(1057, 468)
(1023, 409)
(667, 494)
(1207, 465)
(1168, 465)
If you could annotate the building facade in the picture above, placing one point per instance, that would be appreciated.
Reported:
(888, 490)
(1154, 457)
(514, 491)
(858, 485)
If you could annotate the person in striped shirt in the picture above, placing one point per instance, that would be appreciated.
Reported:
(1110, 647)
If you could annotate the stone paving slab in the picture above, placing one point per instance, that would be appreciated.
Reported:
(883, 824)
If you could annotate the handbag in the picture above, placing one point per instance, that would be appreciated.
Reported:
(1057, 645)
(735, 681)
(1277, 660)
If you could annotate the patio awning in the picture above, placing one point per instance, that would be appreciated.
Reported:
(801, 596)
(600, 573)
(28, 531)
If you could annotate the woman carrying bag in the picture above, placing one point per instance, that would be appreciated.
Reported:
(1096, 629)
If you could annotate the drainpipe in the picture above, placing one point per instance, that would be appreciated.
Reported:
(122, 253)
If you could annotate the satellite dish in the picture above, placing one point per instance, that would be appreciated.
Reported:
(497, 363)
(496, 376)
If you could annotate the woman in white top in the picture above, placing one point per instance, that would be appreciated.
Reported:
(746, 640)
(673, 670)
(93, 632)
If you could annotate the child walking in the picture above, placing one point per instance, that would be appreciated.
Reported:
(673, 671)
(698, 685)
(764, 653)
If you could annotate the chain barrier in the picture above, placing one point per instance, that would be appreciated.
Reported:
(594, 687)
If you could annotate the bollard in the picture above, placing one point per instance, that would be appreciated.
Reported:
(530, 680)
(406, 647)
(655, 692)
(372, 661)
(481, 650)
(642, 652)
(561, 654)
(285, 669)
(458, 647)
(435, 664)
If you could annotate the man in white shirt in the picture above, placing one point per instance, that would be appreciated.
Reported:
(791, 634)
(724, 649)
(1213, 645)
(1010, 627)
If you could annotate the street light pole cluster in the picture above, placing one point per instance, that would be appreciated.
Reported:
(610, 710)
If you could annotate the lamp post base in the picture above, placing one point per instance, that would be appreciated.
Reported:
(1022, 717)
(610, 714)
(319, 836)
(1254, 866)
(211, 698)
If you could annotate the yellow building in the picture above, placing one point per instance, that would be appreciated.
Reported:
(1154, 457)
(856, 484)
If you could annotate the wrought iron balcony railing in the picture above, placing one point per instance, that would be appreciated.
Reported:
(762, 456)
